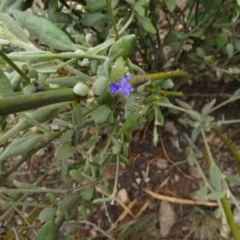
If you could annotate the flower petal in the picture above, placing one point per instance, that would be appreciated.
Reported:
(114, 87)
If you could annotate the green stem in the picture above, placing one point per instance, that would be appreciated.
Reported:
(138, 79)
(230, 219)
(110, 12)
(14, 66)
(34, 190)
(18, 103)
(230, 147)
(165, 93)
(24, 204)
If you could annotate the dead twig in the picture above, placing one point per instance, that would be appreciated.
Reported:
(179, 200)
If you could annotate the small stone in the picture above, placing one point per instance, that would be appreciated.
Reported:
(166, 218)
(194, 172)
(162, 164)
(123, 195)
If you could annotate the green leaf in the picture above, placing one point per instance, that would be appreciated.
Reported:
(215, 178)
(67, 136)
(200, 52)
(20, 146)
(123, 47)
(41, 115)
(166, 83)
(66, 81)
(53, 200)
(236, 43)
(131, 122)
(139, 9)
(47, 231)
(5, 4)
(68, 201)
(159, 119)
(47, 213)
(91, 19)
(116, 148)
(5, 84)
(229, 49)
(14, 28)
(171, 4)
(44, 30)
(217, 195)
(202, 193)
(100, 86)
(101, 114)
(95, 6)
(65, 151)
(23, 185)
(87, 194)
(107, 99)
(234, 179)
(191, 158)
(234, 70)
(123, 159)
(221, 39)
(76, 174)
(77, 117)
(118, 70)
(199, 33)
(146, 24)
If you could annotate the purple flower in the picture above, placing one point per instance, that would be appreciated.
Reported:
(122, 87)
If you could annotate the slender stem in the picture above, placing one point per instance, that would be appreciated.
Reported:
(14, 66)
(110, 12)
(127, 23)
(116, 180)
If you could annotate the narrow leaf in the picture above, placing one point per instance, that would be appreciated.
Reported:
(47, 213)
(65, 151)
(47, 231)
(146, 24)
(191, 158)
(217, 195)
(5, 84)
(20, 146)
(234, 179)
(77, 117)
(215, 178)
(171, 4)
(44, 30)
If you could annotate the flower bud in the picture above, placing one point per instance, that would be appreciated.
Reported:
(81, 89)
